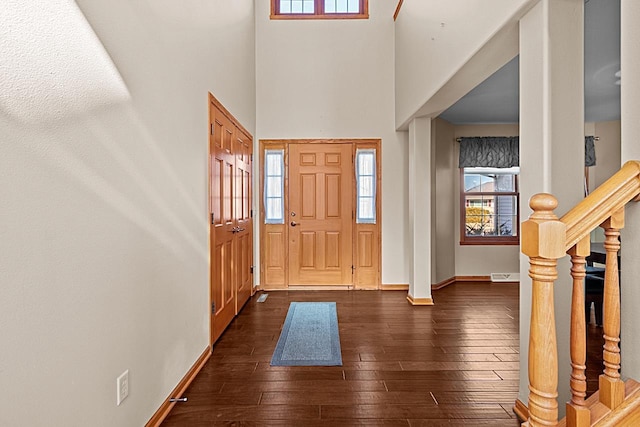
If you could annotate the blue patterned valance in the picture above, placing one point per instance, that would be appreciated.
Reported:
(503, 152)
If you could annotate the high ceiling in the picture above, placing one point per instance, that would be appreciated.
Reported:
(496, 99)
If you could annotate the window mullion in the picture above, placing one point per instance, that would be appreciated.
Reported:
(319, 8)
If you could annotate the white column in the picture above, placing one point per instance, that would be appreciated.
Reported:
(630, 111)
(551, 148)
(420, 211)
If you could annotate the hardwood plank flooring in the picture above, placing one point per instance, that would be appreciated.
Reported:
(595, 343)
(454, 363)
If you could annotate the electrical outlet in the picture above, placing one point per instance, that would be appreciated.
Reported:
(122, 387)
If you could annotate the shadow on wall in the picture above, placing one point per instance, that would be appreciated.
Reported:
(64, 102)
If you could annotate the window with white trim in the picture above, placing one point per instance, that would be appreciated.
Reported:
(489, 206)
(274, 186)
(366, 186)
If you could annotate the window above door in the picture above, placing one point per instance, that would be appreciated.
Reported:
(319, 9)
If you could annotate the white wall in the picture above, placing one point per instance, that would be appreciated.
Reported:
(335, 79)
(443, 193)
(607, 152)
(630, 111)
(472, 260)
(103, 226)
(434, 39)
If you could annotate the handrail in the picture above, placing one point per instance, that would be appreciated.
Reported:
(610, 197)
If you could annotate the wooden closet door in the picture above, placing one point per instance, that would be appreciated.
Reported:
(231, 235)
(223, 244)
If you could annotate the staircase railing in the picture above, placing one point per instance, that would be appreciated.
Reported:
(545, 239)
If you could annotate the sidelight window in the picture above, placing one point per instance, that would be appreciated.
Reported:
(274, 186)
(366, 186)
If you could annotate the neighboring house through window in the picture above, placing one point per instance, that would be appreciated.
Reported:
(489, 194)
(489, 206)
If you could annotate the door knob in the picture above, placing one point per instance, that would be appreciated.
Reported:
(293, 223)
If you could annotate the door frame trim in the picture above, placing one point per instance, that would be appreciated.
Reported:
(265, 144)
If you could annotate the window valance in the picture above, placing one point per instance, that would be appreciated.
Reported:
(589, 151)
(504, 152)
(489, 152)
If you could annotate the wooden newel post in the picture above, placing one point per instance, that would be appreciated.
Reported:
(543, 241)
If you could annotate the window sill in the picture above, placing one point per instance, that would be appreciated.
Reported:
(302, 16)
(490, 242)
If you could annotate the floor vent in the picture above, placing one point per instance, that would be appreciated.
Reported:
(505, 277)
(263, 297)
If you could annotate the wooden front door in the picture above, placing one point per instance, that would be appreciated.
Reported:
(231, 235)
(320, 214)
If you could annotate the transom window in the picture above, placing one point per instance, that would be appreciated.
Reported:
(489, 206)
(319, 9)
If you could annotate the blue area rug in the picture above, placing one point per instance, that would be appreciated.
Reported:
(309, 336)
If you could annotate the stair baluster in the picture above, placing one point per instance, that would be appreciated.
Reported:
(578, 414)
(610, 384)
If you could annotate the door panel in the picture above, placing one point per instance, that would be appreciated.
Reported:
(320, 214)
(223, 293)
(333, 196)
(332, 253)
(365, 249)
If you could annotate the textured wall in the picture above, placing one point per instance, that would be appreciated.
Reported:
(103, 186)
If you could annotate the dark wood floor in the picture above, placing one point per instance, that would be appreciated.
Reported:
(455, 363)
(595, 342)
